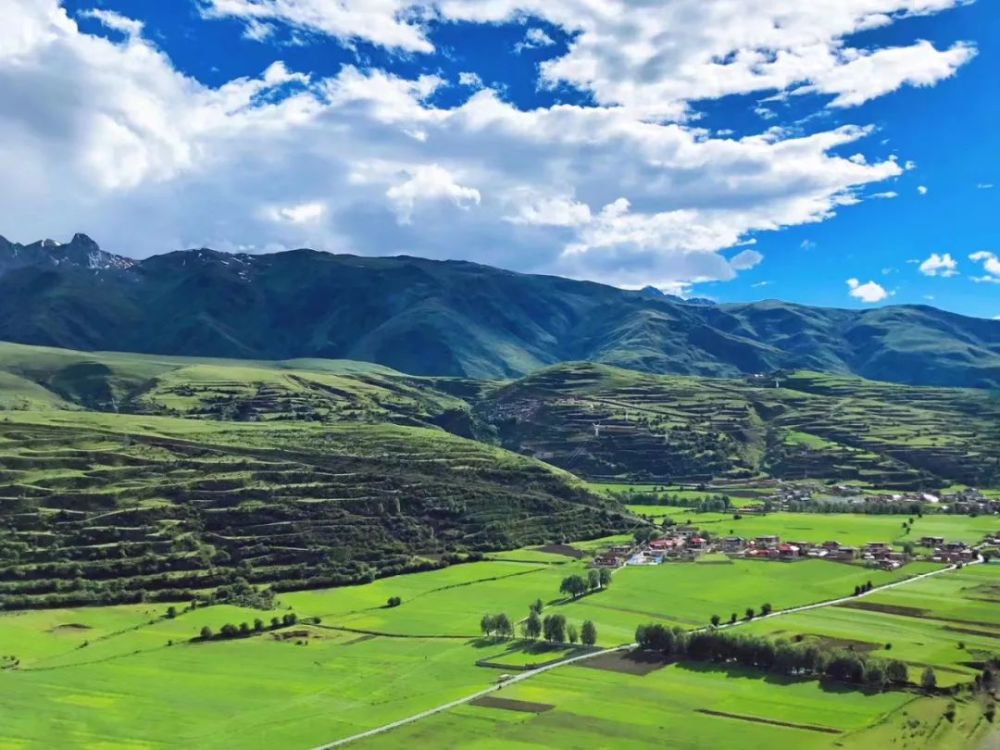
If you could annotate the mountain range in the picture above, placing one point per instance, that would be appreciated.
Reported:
(454, 318)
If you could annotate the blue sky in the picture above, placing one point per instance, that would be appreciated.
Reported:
(841, 153)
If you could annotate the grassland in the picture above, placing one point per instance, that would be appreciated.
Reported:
(847, 528)
(950, 622)
(129, 676)
(325, 489)
(583, 707)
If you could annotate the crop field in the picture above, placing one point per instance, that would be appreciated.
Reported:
(210, 553)
(852, 529)
(677, 706)
(688, 594)
(949, 622)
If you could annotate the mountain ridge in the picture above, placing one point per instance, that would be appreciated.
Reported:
(456, 318)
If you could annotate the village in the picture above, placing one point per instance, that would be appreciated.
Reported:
(686, 543)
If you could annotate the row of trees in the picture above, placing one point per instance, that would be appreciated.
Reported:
(576, 585)
(779, 657)
(553, 628)
(244, 629)
(749, 614)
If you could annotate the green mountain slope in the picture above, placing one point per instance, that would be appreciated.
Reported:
(600, 421)
(456, 319)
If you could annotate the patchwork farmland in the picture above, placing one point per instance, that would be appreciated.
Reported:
(213, 553)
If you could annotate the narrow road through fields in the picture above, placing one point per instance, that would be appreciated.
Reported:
(572, 660)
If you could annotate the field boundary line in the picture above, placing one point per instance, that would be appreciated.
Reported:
(628, 646)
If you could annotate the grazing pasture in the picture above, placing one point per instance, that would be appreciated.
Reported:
(949, 622)
(852, 529)
(678, 706)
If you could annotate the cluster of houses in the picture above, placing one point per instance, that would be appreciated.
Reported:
(686, 543)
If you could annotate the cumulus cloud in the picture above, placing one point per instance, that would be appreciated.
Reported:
(939, 265)
(922, 189)
(656, 57)
(870, 292)
(429, 183)
(298, 214)
(110, 138)
(114, 21)
(533, 38)
(991, 266)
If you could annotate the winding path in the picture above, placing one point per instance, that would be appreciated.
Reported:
(572, 660)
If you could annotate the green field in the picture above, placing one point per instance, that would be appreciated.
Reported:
(584, 707)
(950, 622)
(853, 529)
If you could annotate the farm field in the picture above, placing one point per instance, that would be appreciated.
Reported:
(583, 706)
(847, 528)
(688, 594)
(140, 682)
(949, 622)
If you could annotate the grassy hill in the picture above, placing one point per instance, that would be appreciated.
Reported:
(456, 319)
(292, 474)
(601, 421)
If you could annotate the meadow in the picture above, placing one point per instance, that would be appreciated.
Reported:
(585, 707)
(853, 529)
(949, 622)
(131, 677)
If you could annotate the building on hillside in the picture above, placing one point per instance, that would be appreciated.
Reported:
(931, 541)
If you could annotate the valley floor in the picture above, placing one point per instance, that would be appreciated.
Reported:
(134, 677)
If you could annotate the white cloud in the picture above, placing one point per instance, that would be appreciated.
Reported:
(114, 141)
(862, 75)
(922, 189)
(297, 214)
(745, 260)
(534, 38)
(429, 183)
(807, 245)
(555, 211)
(472, 80)
(885, 195)
(991, 265)
(655, 57)
(870, 292)
(984, 185)
(939, 265)
(114, 21)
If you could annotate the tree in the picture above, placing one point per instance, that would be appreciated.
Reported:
(588, 633)
(605, 575)
(258, 624)
(875, 674)
(593, 579)
(487, 625)
(715, 621)
(573, 585)
(533, 625)
(554, 628)
(393, 601)
(749, 613)
(171, 612)
(537, 607)
(928, 680)
(896, 672)
(732, 618)
(206, 633)
(503, 626)
(765, 609)
(571, 634)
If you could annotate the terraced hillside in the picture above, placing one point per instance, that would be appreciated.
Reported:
(105, 508)
(601, 421)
